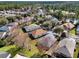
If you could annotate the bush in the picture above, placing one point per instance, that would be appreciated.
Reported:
(2, 43)
(11, 19)
(46, 24)
(18, 17)
(58, 30)
(12, 49)
(3, 21)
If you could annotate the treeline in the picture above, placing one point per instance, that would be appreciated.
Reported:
(11, 5)
(63, 5)
(72, 6)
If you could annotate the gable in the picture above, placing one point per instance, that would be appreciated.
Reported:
(63, 50)
(47, 40)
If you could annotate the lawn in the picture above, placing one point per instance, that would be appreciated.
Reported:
(6, 48)
(11, 49)
(76, 52)
(30, 53)
(34, 50)
(72, 32)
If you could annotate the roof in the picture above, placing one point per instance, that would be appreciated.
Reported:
(54, 20)
(38, 33)
(67, 20)
(31, 27)
(12, 24)
(47, 40)
(48, 16)
(70, 45)
(63, 50)
(69, 25)
(28, 18)
(4, 54)
(4, 29)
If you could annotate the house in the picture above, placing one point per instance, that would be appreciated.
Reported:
(9, 15)
(31, 27)
(54, 20)
(51, 11)
(48, 16)
(65, 12)
(46, 41)
(72, 13)
(66, 48)
(40, 12)
(38, 33)
(71, 20)
(21, 21)
(12, 26)
(75, 21)
(27, 19)
(3, 31)
(56, 11)
(68, 26)
(5, 55)
(67, 20)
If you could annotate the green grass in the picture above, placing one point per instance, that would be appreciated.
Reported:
(6, 48)
(76, 53)
(28, 53)
(72, 32)
(11, 49)
(34, 50)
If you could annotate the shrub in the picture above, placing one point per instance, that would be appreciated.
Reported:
(3, 21)
(11, 19)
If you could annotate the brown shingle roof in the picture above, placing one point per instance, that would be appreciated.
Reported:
(38, 33)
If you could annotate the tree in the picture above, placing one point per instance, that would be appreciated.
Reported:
(11, 19)
(3, 21)
(46, 24)
(58, 15)
(2, 43)
(58, 30)
(18, 17)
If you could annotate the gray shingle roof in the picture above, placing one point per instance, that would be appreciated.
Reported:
(31, 28)
(47, 40)
(63, 50)
(69, 43)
